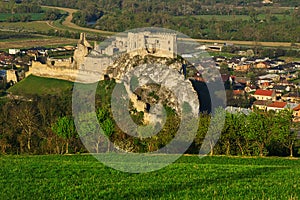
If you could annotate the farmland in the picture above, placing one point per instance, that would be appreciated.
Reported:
(36, 26)
(35, 42)
(83, 177)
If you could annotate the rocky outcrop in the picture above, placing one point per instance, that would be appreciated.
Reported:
(153, 81)
(125, 63)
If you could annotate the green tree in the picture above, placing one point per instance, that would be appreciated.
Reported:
(282, 129)
(259, 131)
(65, 128)
(108, 128)
(106, 124)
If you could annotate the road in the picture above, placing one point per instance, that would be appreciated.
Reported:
(69, 24)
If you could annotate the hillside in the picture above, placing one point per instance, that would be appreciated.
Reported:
(34, 85)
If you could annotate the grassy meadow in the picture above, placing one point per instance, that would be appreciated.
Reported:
(33, 16)
(34, 85)
(40, 26)
(83, 177)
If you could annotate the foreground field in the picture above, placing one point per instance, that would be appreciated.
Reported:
(83, 177)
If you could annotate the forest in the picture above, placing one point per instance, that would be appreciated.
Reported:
(227, 20)
(206, 19)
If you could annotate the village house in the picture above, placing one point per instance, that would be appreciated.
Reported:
(283, 81)
(291, 97)
(238, 94)
(296, 65)
(242, 68)
(278, 61)
(238, 110)
(296, 114)
(14, 51)
(273, 77)
(261, 104)
(261, 65)
(232, 63)
(281, 88)
(242, 80)
(265, 95)
(250, 88)
(276, 70)
(276, 106)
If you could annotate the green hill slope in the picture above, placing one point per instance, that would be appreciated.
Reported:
(34, 85)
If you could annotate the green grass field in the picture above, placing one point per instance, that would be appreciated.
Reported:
(34, 26)
(225, 54)
(34, 85)
(33, 16)
(83, 177)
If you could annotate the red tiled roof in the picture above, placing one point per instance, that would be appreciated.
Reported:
(297, 108)
(263, 92)
(277, 104)
(237, 92)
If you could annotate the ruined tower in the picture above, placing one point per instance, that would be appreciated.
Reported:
(156, 44)
(83, 49)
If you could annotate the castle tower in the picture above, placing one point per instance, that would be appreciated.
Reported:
(83, 41)
(83, 49)
(95, 46)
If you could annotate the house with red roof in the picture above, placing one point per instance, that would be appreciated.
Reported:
(238, 94)
(265, 95)
(277, 106)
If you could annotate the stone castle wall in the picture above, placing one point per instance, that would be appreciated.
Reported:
(159, 44)
(69, 74)
(60, 62)
(11, 76)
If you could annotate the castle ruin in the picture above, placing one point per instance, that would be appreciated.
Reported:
(95, 60)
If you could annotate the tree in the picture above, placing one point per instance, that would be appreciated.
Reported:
(65, 128)
(229, 132)
(108, 128)
(106, 124)
(282, 129)
(259, 131)
(209, 130)
(26, 118)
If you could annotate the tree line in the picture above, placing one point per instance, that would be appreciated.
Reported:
(268, 29)
(257, 134)
(25, 6)
(44, 125)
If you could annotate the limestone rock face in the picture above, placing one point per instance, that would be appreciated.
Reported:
(154, 80)
(126, 63)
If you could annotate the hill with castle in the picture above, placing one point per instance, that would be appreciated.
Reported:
(90, 63)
